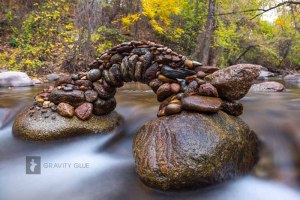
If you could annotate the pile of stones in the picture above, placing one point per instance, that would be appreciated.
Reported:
(179, 83)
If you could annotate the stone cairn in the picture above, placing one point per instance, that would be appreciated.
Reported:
(179, 83)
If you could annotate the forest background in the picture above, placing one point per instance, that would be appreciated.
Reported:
(40, 36)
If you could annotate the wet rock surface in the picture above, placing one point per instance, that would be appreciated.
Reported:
(192, 150)
(234, 82)
(32, 125)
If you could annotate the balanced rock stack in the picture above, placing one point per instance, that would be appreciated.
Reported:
(180, 84)
(197, 139)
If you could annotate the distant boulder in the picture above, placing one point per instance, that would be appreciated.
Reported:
(14, 79)
(270, 86)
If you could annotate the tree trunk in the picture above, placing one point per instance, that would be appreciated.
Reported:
(204, 39)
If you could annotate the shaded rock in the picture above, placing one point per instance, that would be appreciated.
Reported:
(65, 110)
(148, 58)
(14, 79)
(84, 111)
(155, 84)
(163, 92)
(201, 104)
(85, 83)
(91, 95)
(140, 51)
(234, 82)
(37, 127)
(191, 89)
(191, 150)
(138, 71)
(102, 107)
(52, 77)
(63, 80)
(124, 70)
(131, 66)
(208, 89)
(102, 93)
(117, 58)
(180, 73)
(201, 74)
(115, 75)
(74, 98)
(232, 108)
(94, 75)
(271, 86)
(151, 72)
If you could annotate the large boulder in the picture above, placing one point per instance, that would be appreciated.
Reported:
(234, 82)
(192, 149)
(14, 79)
(34, 125)
(270, 86)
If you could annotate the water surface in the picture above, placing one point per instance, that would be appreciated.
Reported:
(110, 174)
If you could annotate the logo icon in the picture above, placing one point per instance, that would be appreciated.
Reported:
(33, 165)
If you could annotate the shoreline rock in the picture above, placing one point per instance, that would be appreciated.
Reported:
(15, 79)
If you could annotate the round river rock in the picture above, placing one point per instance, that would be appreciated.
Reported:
(191, 150)
(36, 127)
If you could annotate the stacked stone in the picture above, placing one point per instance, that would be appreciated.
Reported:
(180, 83)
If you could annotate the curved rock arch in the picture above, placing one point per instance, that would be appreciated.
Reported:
(180, 83)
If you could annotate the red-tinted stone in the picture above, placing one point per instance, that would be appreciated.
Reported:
(84, 111)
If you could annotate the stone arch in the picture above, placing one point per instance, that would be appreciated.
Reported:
(179, 83)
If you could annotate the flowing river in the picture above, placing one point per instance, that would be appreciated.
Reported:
(102, 167)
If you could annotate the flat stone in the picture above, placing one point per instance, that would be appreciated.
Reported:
(180, 73)
(74, 98)
(207, 69)
(37, 127)
(202, 104)
(63, 80)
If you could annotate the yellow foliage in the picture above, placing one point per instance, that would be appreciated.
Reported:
(159, 13)
(130, 19)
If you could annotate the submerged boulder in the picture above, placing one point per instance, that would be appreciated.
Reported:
(35, 125)
(192, 149)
